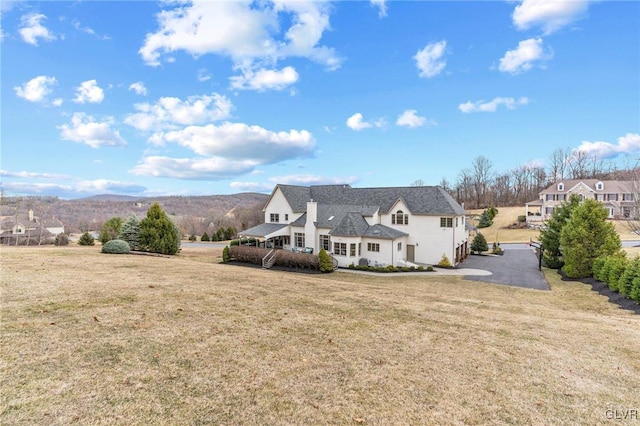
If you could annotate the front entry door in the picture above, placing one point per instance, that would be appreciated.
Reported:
(411, 253)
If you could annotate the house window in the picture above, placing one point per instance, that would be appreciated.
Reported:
(299, 239)
(359, 249)
(274, 218)
(340, 249)
(599, 186)
(561, 197)
(373, 247)
(550, 197)
(561, 187)
(549, 210)
(456, 222)
(325, 242)
(399, 246)
(352, 250)
(286, 217)
(399, 218)
(600, 197)
(446, 222)
(612, 197)
(627, 197)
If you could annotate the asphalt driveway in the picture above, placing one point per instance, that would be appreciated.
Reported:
(517, 267)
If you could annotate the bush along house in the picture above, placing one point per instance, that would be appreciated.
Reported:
(399, 226)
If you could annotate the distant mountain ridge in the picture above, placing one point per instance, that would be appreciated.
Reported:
(197, 213)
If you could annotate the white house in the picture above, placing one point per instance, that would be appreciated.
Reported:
(375, 226)
(21, 226)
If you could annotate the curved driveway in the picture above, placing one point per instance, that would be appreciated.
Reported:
(517, 267)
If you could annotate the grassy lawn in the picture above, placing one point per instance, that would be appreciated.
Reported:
(509, 215)
(128, 339)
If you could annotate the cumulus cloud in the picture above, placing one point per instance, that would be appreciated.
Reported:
(264, 79)
(36, 89)
(139, 88)
(225, 150)
(627, 144)
(89, 91)
(524, 56)
(492, 105)
(382, 7)
(192, 168)
(429, 59)
(171, 112)
(31, 29)
(85, 129)
(252, 34)
(549, 15)
(410, 118)
(237, 141)
(356, 122)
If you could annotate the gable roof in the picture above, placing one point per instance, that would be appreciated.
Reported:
(608, 186)
(422, 200)
(354, 225)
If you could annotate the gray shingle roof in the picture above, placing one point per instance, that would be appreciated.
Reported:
(425, 200)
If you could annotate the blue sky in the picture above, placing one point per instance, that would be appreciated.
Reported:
(218, 97)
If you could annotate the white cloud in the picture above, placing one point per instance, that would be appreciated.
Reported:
(550, 15)
(410, 118)
(237, 141)
(492, 105)
(85, 129)
(31, 175)
(77, 188)
(627, 144)
(524, 56)
(31, 29)
(264, 79)
(382, 7)
(429, 59)
(252, 34)
(192, 168)
(226, 150)
(36, 89)
(139, 88)
(89, 91)
(170, 112)
(356, 122)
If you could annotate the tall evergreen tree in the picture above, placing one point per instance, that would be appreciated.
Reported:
(158, 234)
(130, 232)
(586, 236)
(550, 234)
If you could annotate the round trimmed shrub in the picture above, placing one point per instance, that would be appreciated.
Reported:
(61, 240)
(116, 247)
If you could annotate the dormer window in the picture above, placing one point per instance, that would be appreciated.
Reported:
(400, 218)
(561, 187)
(274, 217)
(599, 186)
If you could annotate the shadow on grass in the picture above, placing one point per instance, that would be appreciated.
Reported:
(604, 290)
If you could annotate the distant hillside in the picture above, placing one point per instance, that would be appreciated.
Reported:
(193, 214)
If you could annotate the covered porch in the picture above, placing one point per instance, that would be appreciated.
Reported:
(269, 235)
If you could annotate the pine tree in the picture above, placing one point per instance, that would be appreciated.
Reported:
(130, 232)
(479, 244)
(550, 234)
(157, 233)
(586, 236)
(205, 237)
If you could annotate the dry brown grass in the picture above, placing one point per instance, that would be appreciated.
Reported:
(509, 215)
(125, 339)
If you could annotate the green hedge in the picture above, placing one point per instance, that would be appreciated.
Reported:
(620, 274)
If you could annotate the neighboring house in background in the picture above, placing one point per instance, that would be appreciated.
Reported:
(377, 226)
(618, 197)
(21, 227)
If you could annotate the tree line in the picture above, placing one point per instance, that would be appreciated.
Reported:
(480, 185)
